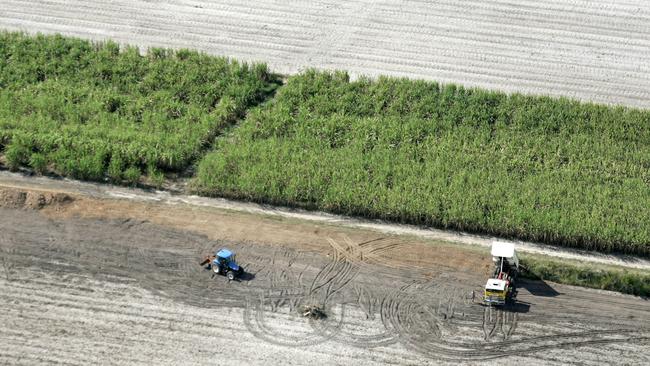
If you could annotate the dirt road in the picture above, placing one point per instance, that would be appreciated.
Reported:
(16, 180)
(99, 280)
(592, 50)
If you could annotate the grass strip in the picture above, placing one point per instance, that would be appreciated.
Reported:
(631, 282)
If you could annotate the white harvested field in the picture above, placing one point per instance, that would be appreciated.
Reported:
(591, 50)
(76, 320)
(91, 322)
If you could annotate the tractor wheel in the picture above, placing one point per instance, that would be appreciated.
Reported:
(216, 269)
(230, 275)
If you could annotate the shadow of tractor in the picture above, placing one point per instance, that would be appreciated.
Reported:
(538, 288)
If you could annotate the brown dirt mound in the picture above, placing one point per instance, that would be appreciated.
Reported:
(34, 200)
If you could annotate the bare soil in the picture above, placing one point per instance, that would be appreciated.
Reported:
(112, 281)
(13, 198)
(108, 193)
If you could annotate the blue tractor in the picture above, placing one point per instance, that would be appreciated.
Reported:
(223, 262)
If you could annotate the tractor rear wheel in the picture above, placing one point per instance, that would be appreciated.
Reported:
(216, 269)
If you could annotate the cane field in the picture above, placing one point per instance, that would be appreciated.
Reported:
(536, 168)
(98, 111)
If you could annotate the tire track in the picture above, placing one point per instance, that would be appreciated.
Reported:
(72, 275)
(426, 332)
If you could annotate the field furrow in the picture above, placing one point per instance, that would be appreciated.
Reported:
(79, 290)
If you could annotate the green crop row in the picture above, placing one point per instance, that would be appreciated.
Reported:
(96, 110)
(620, 280)
(536, 168)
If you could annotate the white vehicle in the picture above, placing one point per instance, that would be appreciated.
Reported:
(501, 288)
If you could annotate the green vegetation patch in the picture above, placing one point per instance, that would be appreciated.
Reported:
(95, 110)
(537, 168)
(620, 280)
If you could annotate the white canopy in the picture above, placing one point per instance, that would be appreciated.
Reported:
(502, 249)
(505, 250)
(495, 284)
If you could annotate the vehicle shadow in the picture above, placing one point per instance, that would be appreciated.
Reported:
(517, 307)
(246, 276)
(538, 288)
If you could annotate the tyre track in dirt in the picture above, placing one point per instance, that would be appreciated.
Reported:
(16, 181)
(95, 330)
(417, 332)
(403, 305)
(349, 260)
(591, 50)
(371, 305)
(410, 319)
(327, 284)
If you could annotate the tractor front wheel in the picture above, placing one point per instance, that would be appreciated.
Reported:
(230, 275)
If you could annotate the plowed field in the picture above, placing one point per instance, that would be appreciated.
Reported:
(83, 282)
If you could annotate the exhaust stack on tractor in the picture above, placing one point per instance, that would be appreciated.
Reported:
(501, 287)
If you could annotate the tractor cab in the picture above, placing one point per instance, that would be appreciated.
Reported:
(496, 291)
(225, 259)
(223, 262)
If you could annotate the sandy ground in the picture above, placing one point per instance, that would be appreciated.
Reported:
(593, 50)
(116, 282)
(92, 190)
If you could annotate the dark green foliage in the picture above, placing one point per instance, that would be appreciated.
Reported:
(536, 168)
(16, 155)
(38, 162)
(156, 177)
(627, 282)
(91, 110)
(132, 175)
(115, 169)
